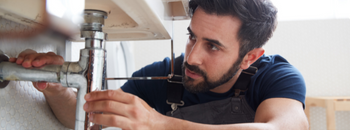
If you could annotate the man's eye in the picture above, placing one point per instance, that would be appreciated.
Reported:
(191, 37)
(213, 47)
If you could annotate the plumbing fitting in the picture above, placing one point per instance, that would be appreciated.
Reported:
(87, 75)
(3, 57)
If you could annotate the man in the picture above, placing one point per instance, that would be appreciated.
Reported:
(225, 38)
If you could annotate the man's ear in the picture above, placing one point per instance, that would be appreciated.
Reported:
(251, 57)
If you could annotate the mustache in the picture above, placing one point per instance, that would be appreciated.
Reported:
(194, 69)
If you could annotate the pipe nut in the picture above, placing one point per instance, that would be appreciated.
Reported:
(3, 57)
(93, 20)
(93, 35)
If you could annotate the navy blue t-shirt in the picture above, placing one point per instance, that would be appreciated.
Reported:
(275, 78)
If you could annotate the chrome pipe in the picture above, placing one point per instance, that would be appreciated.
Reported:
(139, 78)
(79, 81)
(73, 75)
(69, 75)
(94, 52)
(12, 71)
(94, 73)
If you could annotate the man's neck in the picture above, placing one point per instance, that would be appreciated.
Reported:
(227, 86)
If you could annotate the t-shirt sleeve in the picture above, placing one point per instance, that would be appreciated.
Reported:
(282, 80)
(151, 91)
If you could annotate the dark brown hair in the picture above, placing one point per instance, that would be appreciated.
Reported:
(258, 19)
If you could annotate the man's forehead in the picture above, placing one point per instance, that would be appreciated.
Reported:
(211, 26)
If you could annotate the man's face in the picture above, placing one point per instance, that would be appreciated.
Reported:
(211, 57)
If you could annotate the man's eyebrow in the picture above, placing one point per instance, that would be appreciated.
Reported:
(190, 31)
(215, 42)
(207, 39)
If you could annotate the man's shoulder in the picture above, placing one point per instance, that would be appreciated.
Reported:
(272, 59)
(276, 77)
(273, 68)
(275, 64)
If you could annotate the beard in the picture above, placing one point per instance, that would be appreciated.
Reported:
(206, 85)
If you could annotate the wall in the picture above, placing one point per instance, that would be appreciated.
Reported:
(147, 52)
(320, 50)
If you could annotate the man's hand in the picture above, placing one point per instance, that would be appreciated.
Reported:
(62, 100)
(129, 112)
(31, 59)
(121, 110)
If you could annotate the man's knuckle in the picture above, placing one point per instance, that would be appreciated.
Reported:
(59, 57)
(133, 98)
(97, 119)
(133, 112)
(134, 126)
(29, 56)
(110, 94)
(114, 120)
(107, 105)
(46, 58)
(51, 53)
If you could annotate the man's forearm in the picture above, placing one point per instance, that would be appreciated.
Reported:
(62, 103)
(170, 123)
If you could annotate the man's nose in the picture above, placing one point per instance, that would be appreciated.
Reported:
(195, 56)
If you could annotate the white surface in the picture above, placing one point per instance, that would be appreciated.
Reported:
(293, 10)
(320, 50)
(65, 15)
(147, 52)
(11, 9)
(127, 19)
(117, 63)
(25, 108)
(134, 19)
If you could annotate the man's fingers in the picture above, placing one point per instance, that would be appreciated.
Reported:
(51, 53)
(111, 120)
(28, 59)
(41, 86)
(55, 59)
(48, 59)
(116, 95)
(108, 106)
(21, 56)
(95, 127)
(12, 59)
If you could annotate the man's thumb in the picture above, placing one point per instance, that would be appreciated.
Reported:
(42, 85)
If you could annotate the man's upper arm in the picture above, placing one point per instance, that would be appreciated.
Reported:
(282, 95)
(284, 113)
(277, 79)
